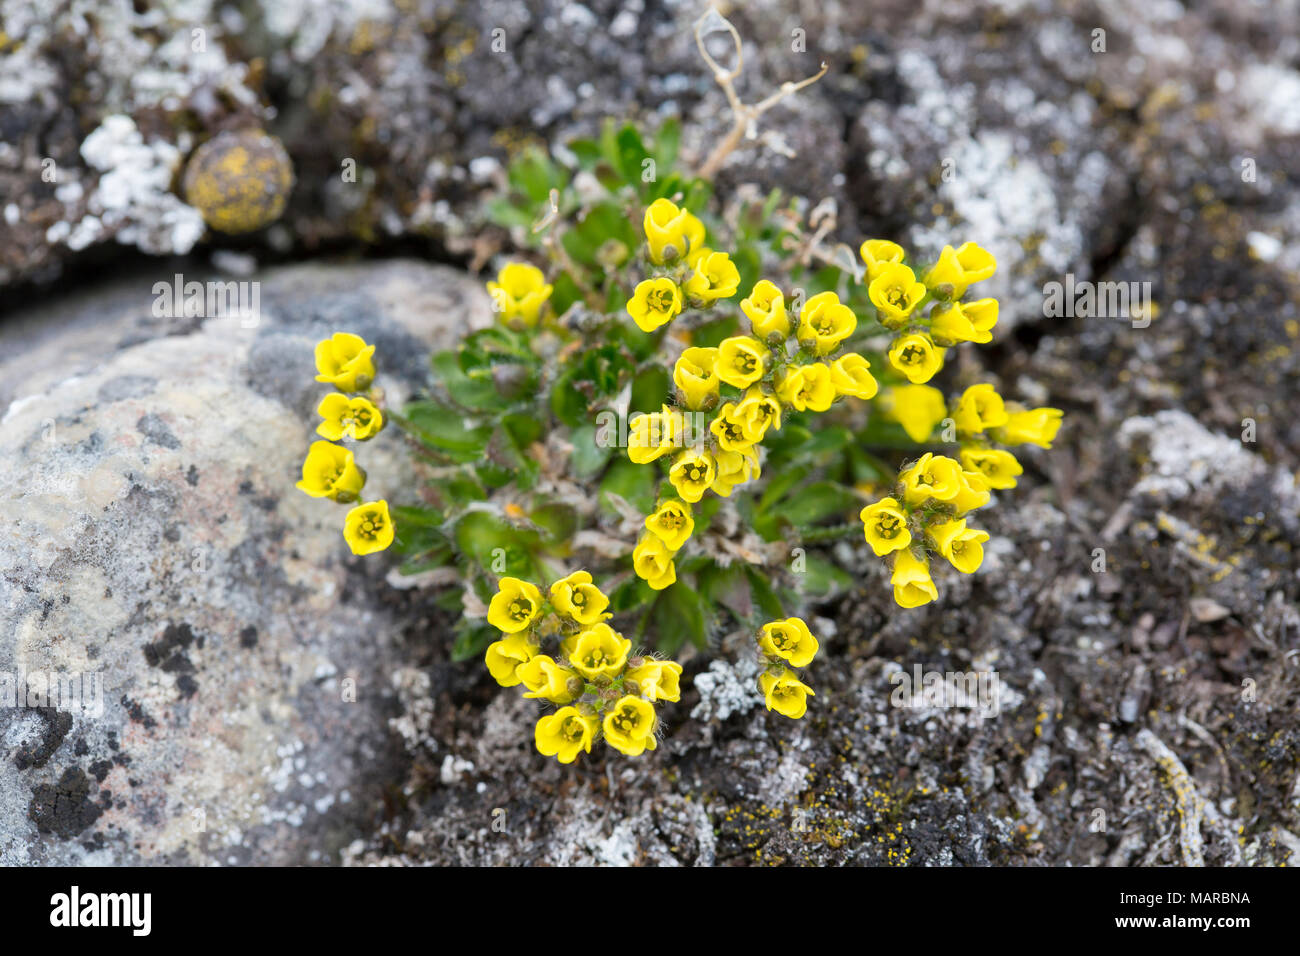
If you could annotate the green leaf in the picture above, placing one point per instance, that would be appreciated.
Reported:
(680, 615)
(764, 595)
(445, 430)
(822, 579)
(588, 457)
(534, 174)
(472, 639)
(650, 390)
(814, 502)
(635, 483)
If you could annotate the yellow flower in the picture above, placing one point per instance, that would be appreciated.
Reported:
(962, 546)
(965, 321)
(766, 311)
(729, 428)
(1035, 426)
(546, 680)
(911, 580)
(735, 468)
(367, 528)
(806, 387)
(918, 408)
(879, 254)
(741, 361)
(577, 598)
(895, 293)
(692, 473)
(998, 467)
(959, 268)
(671, 233)
(851, 376)
(979, 409)
(933, 476)
(330, 471)
(790, 640)
(973, 493)
(658, 680)
(885, 524)
(916, 356)
(785, 693)
(654, 435)
(520, 293)
(696, 376)
(515, 605)
(654, 302)
(714, 276)
(758, 411)
(600, 651)
(652, 560)
(504, 657)
(672, 523)
(564, 733)
(825, 322)
(344, 361)
(348, 418)
(630, 726)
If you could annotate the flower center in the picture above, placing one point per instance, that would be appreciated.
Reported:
(521, 609)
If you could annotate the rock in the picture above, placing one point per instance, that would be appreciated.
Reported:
(155, 546)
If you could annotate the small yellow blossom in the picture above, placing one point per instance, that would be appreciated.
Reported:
(692, 473)
(885, 524)
(600, 651)
(806, 387)
(344, 361)
(851, 375)
(654, 302)
(504, 657)
(911, 580)
(671, 233)
(630, 725)
(758, 411)
(729, 428)
(714, 276)
(653, 435)
(999, 468)
(741, 361)
(1035, 426)
(658, 680)
(367, 528)
(735, 468)
(979, 409)
(962, 546)
(959, 268)
(918, 408)
(972, 492)
(789, 640)
(520, 293)
(546, 680)
(515, 605)
(652, 560)
(564, 733)
(895, 293)
(933, 476)
(825, 322)
(879, 254)
(695, 374)
(672, 523)
(916, 356)
(766, 311)
(330, 471)
(348, 417)
(785, 693)
(965, 321)
(578, 599)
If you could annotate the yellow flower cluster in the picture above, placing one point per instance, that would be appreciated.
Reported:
(901, 299)
(783, 645)
(786, 362)
(981, 418)
(600, 688)
(520, 295)
(330, 471)
(927, 512)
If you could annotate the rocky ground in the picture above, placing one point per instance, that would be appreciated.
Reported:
(1148, 711)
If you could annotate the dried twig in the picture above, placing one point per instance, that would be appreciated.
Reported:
(746, 115)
